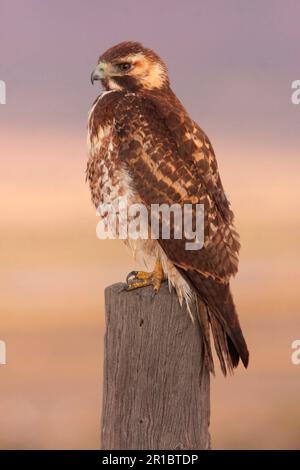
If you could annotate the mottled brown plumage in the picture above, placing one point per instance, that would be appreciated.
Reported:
(144, 145)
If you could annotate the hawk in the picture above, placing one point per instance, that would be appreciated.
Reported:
(144, 145)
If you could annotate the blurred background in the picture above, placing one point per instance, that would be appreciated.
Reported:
(231, 63)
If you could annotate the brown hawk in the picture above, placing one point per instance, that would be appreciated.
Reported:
(143, 145)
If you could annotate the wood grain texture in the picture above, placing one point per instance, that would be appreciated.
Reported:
(156, 387)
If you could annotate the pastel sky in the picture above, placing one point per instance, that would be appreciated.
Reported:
(231, 61)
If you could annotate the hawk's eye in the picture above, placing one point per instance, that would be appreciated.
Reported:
(123, 66)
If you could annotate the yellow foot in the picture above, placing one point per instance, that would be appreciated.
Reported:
(137, 279)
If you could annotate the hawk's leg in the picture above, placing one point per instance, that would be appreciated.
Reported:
(137, 279)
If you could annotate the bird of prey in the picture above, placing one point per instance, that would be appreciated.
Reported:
(144, 145)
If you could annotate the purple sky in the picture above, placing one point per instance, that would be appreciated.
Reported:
(231, 62)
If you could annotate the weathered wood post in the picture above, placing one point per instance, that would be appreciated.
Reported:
(156, 387)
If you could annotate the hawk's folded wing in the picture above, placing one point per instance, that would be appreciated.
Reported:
(164, 170)
(170, 161)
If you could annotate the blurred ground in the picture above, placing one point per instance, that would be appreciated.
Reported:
(53, 272)
(51, 390)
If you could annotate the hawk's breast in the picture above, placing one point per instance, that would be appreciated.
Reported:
(109, 181)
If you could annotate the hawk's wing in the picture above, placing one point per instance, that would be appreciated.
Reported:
(193, 144)
(166, 169)
(162, 153)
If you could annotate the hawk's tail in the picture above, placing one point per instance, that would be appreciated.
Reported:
(217, 313)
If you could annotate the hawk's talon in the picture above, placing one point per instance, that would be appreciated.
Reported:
(136, 279)
(135, 284)
(131, 274)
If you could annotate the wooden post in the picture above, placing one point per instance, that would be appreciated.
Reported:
(156, 387)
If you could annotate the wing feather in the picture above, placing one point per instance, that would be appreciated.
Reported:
(171, 161)
(162, 173)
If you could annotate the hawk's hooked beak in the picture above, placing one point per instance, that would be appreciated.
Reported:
(97, 74)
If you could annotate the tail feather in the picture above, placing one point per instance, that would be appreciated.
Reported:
(225, 349)
(203, 318)
(234, 355)
(221, 346)
(217, 313)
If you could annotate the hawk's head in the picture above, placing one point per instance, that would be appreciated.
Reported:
(130, 66)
